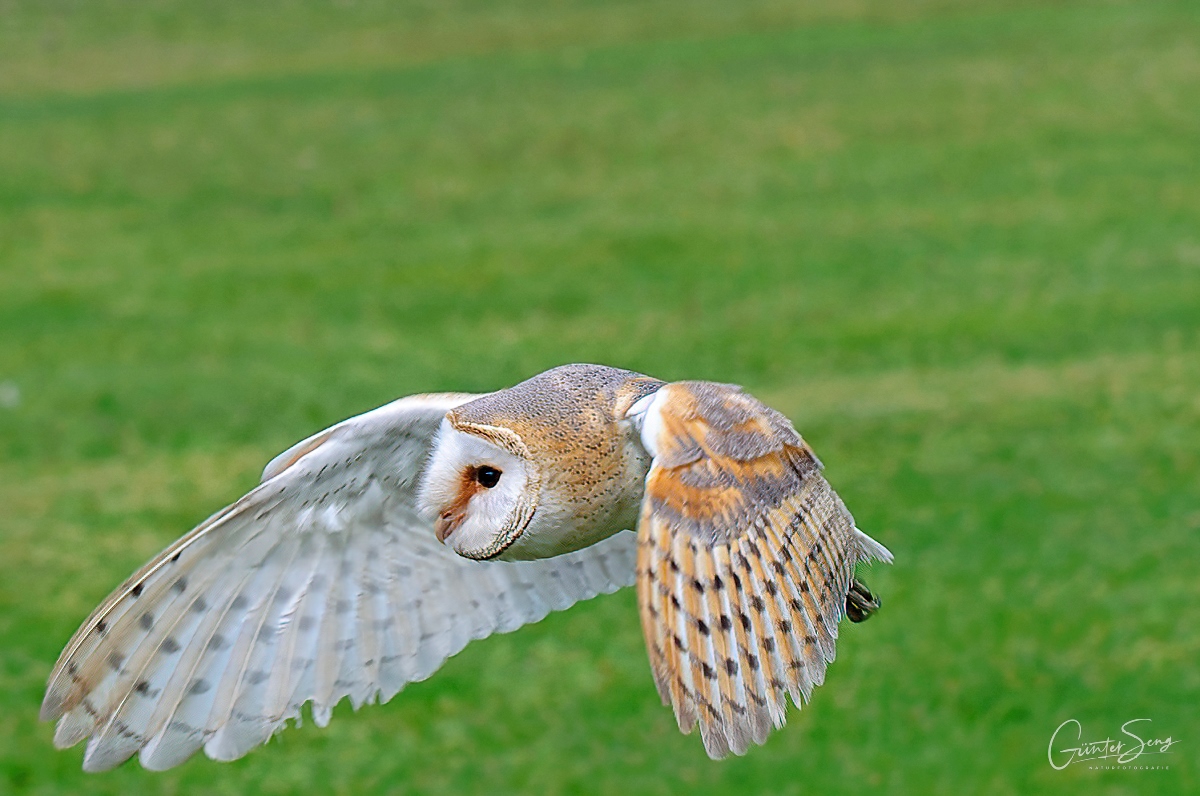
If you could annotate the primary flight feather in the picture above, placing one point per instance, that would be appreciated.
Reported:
(376, 549)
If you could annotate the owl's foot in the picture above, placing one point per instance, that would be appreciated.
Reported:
(860, 603)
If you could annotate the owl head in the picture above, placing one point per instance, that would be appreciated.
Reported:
(481, 488)
(539, 469)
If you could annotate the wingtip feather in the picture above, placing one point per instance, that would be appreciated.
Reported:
(871, 549)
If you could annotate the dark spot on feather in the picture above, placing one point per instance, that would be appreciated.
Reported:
(702, 626)
(771, 588)
(175, 557)
(717, 583)
(170, 645)
(756, 603)
(796, 666)
(217, 642)
(146, 620)
(697, 585)
(810, 640)
(101, 627)
(143, 687)
(179, 586)
(725, 622)
(136, 591)
(709, 671)
(752, 662)
(769, 644)
(797, 605)
(239, 603)
(678, 643)
(306, 623)
(671, 563)
(804, 587)
(125, 732)
(200, 605)
(737, 582)
(785, 626)
(257, 676)
(820, 620)
(115, 659)
(198, 686)
(731, 666)
(778, 684)
(72, 669)
(777, 565)
(745, 620)
(182, 727)
(675, 602)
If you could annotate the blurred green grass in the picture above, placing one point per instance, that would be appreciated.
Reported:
(958, 243)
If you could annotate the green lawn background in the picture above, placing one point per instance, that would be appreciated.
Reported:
(957, 242)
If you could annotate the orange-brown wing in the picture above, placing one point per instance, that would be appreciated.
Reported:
(745, 559)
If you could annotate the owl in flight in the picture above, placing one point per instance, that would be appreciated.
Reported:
(376, 549)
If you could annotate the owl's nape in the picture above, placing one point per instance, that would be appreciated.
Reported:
(861, 603)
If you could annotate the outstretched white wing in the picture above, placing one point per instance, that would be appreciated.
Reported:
(321, 583)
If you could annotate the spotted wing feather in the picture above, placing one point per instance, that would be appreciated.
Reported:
(745, 559)
(322, 583)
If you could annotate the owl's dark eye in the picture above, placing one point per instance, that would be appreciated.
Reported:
(487, 477)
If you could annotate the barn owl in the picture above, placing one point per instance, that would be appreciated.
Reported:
(374, 550)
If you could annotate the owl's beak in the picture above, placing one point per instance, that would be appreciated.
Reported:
(446, 524)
